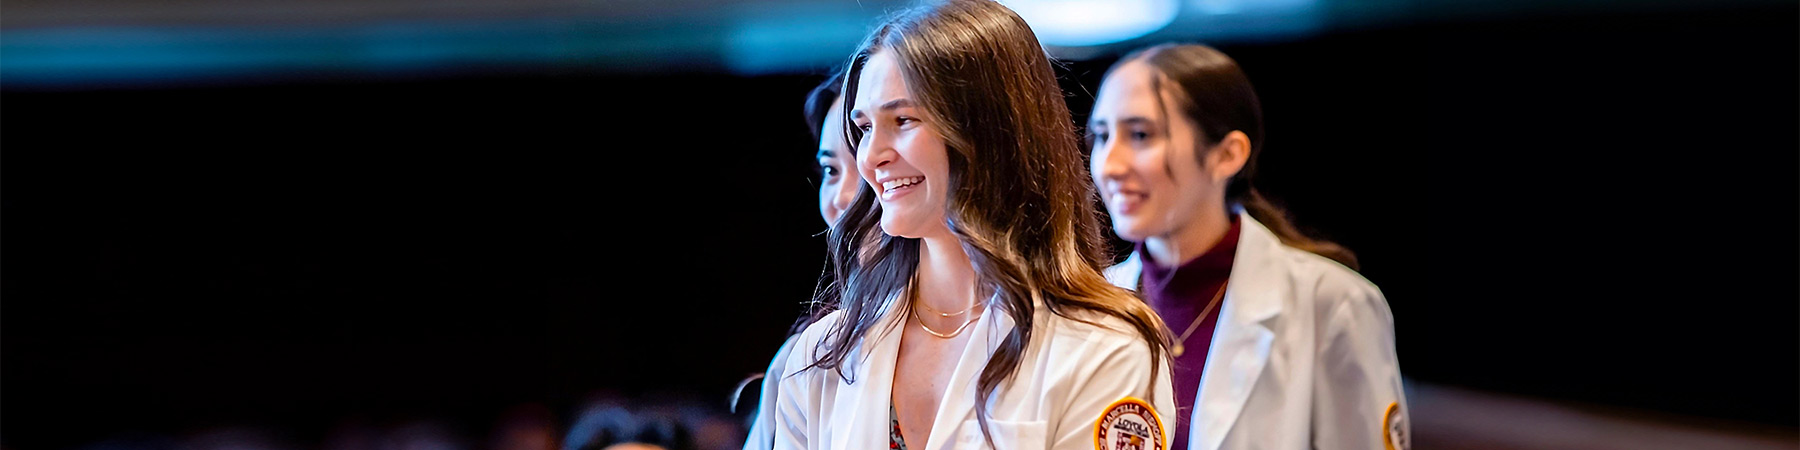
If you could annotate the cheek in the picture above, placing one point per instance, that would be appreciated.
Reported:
(1096, 157)
(1154, 168)
(931, 155)
(1188, 171)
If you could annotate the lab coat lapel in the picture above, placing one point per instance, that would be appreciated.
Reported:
(1126, 274)
(960, 397)
(1242, 340)
(866, 425)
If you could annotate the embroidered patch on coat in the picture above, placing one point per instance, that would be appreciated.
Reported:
(1129, 424)
(1393, 428)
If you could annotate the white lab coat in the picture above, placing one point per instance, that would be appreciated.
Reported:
(1302, 357)
(762, 431)
(1070, 373)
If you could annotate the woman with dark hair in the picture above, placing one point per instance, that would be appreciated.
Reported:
(968, 308)
(1279, 343)
(837, 180)
(837, 187)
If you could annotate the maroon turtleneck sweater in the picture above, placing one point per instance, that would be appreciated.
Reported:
(1178, 294)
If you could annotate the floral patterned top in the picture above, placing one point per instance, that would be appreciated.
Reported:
(895, 442)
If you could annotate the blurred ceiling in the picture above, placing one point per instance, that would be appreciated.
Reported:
(86, 43)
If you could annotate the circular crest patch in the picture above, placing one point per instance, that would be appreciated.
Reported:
(1393, 428)
(1129, 424)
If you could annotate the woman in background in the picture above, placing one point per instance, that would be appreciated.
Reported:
(837, 187)
(1279, 343)
(970, 310)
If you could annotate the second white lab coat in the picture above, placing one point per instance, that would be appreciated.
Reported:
(762, 428)
(1302, 356)
(1070, 374)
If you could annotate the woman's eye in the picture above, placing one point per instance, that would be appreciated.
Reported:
(830, 171)
(1140, 136)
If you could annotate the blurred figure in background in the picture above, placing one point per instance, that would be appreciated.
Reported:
(837, 188)
(838, 181)
(606, 426)
(529, 426)
(668, 420)
(1175, 133)
(366, 433)
(970, 306)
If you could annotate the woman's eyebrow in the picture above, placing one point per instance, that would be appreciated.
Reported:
(889, 106)
(1100, 122)
(895, 104)
(1136, 120)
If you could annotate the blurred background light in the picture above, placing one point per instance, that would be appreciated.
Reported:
(1075, 23)
(60, 45)
(793, 39)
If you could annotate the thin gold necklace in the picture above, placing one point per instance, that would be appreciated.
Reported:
(952, 334)
(945, 314)
(1180, 346)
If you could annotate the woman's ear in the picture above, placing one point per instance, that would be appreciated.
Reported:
(1229, 156)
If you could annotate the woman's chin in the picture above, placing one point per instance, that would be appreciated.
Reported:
(889, 227)
(911, 229)
(1130, 232)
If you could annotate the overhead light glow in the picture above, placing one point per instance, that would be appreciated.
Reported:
(1077, 23)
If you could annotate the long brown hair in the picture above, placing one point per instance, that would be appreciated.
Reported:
(1213, 93)
(1019, 198)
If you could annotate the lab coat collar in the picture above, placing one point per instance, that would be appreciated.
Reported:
(960, 397)
(1242, 340)
(868, 426)
(872, 381)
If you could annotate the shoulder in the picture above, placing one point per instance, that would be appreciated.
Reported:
(1340, 299)
(802, 349)
(779, 362)
(1328, 284)
(1088, 333)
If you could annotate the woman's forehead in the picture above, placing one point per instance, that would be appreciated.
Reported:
(1130, 90)
(879, 83)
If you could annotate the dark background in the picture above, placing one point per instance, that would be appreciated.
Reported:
(1595, 208)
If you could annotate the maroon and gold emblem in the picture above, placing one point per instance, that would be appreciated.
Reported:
(1393, 428)
(1129, 424)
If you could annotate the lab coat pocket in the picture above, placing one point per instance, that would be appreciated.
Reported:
(1008, 435)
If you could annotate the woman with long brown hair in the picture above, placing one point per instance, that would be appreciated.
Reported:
(1279, 343)
(968, 305)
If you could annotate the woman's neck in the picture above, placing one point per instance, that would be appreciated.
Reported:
(946, 279)
(1189, 240)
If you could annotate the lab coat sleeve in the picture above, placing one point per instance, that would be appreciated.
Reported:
(1358, 399)
(1119, 370)
(762, 430)
(797, 398)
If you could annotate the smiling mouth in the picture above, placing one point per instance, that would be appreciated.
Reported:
(896, 184)
(1125, 202)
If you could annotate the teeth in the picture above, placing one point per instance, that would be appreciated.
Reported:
(900, 183)
(1119, 198)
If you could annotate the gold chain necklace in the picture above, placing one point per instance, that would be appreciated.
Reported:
(952, 334)
(945, 314)
(1180, 346)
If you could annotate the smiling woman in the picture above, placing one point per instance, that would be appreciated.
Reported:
(1175, 132)
(969, 260)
